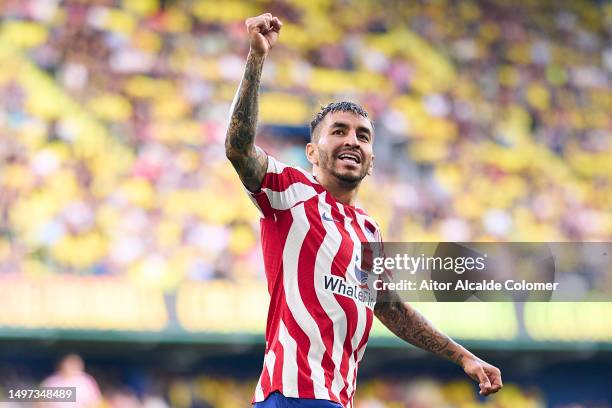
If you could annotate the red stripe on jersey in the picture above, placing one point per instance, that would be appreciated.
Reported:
(265, 378)
(288, 176)
(263, 202)
(305, 384)
(273, 240)
(277, 376)
(304, 381)
(306, 273)
(362, 343)
(369, 313)
(339, 266)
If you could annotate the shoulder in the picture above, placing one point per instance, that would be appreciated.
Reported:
(283, 187)
(276, 167)
(368, 223)
(280, 176)
(361, 213)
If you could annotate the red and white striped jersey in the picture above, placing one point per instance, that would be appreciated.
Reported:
(321, 309)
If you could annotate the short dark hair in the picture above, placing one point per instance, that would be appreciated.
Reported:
(337, 107)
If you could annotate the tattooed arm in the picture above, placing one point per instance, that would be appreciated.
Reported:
(410, 325)
(249, 160)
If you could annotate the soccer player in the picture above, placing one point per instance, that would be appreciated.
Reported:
(320, 314)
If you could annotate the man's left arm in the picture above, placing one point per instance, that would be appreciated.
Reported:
(410, 325)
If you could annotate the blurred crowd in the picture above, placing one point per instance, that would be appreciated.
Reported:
(490, 122)
(120, 383)
(156, 389)
(422, 392)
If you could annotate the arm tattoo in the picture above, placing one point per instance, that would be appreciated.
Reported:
(412, 327)
(249, 161)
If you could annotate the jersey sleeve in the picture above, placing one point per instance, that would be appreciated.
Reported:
(282, 188)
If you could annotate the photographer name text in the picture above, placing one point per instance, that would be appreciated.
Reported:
(465, 285)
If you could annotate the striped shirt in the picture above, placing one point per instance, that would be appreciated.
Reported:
(321, 309)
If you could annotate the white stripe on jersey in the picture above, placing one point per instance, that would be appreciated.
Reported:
(259, 394)
(274, 166)
(361, 309)
(283, 200)
(296, 236)
(289, 368)
(323, 262)
(293, 194)
(270, 360)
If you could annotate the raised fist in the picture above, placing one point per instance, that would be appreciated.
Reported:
(263, 31)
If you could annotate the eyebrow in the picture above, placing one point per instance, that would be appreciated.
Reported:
(345, 126)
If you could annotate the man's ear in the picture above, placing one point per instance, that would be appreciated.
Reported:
(371, 166)
(312, 154)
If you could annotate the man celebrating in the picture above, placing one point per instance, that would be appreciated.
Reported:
(320, 314)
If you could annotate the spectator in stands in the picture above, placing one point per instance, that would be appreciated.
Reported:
(71, 373)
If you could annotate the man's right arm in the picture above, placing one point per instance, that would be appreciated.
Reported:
(411, 326)
(249, 160)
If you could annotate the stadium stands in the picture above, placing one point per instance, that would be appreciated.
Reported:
(158, 391)
(113, 115)
(492, 123)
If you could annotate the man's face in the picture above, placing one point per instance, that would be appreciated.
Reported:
(343, 147)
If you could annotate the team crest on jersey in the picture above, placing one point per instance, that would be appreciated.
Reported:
(370, 234)
(360, 274)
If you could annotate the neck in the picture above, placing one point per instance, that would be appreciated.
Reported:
(344, 192)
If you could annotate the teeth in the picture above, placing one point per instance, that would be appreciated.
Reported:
(346, 156)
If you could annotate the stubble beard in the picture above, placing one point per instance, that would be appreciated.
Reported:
(328, 164)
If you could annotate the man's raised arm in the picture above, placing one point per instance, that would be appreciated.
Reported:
(410, 325)
(249, 160)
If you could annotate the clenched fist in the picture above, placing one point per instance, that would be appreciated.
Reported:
(488, 376)
(263, 31)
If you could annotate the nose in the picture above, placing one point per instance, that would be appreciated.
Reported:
(351, 139)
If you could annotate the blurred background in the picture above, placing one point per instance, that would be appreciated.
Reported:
(129, 251)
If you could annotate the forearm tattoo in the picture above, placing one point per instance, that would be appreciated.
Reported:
(249, 161)
(411, 326)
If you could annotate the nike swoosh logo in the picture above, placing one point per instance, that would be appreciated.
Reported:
(326, 218)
